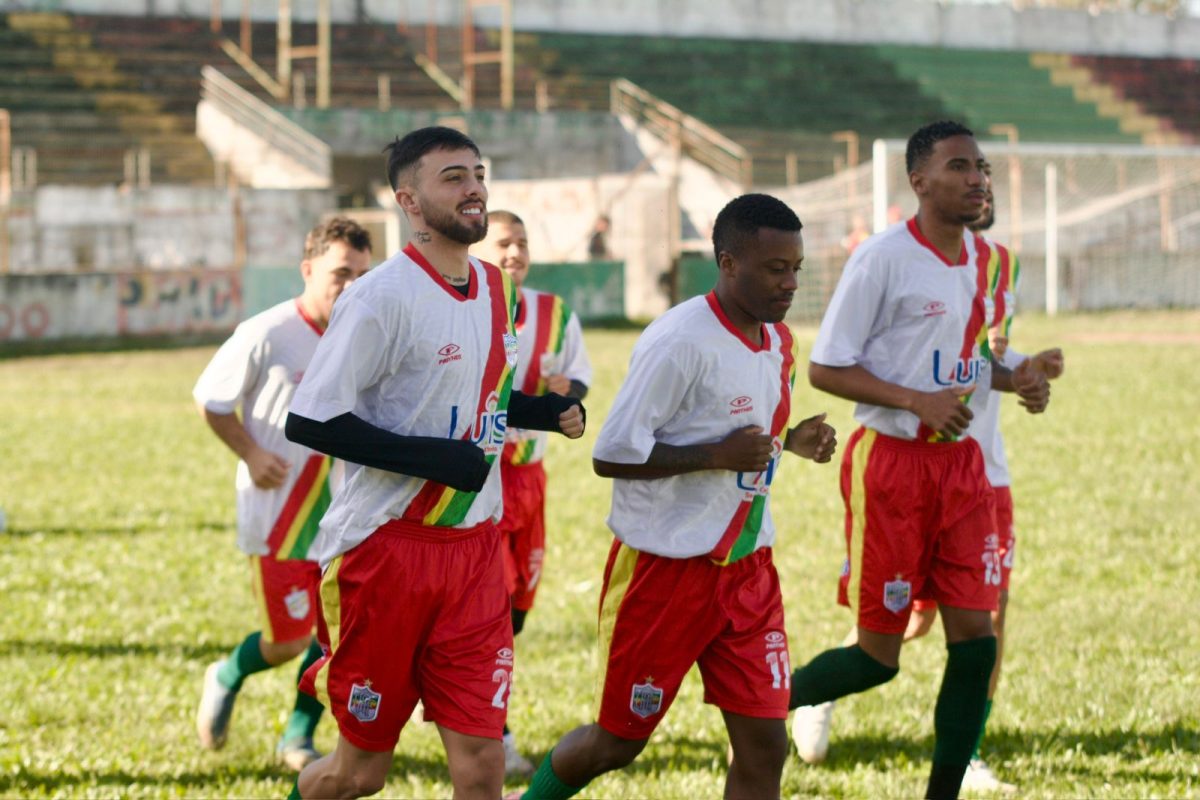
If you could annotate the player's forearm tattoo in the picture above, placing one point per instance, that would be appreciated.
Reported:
(424, 237)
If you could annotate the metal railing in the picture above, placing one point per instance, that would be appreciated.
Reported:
(277, 130)
(691, 136)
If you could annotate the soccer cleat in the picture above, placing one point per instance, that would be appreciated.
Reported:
(980, 778)
(297, 753)
(216, 709)
(515, 764)
(810, 731)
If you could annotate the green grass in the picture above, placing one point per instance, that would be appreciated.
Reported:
(120, 581)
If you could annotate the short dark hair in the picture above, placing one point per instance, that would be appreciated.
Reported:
(920, 144)
(505, 217)
(404, 153)
(741, 218)
(336, 229)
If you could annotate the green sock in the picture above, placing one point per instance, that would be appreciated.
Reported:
(245, 660)
(546, 785)
(307, 711)
(294, 794)
(987, 712)
(959, 714)
(837, 673)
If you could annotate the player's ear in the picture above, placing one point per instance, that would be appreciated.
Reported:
(725, 262)
(406, 198)
(306, 269)
(916, 180)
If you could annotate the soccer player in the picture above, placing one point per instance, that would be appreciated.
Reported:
(551, 358)
(693, 442)
(282, 487)
(905, 337)
(985, 428)
(412, 387)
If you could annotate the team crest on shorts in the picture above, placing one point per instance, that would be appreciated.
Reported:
(510, 349)
(364, 703)
(897, 595)
(646, 699)
(297, 603)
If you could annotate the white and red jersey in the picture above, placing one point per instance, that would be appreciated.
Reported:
(1003, 273)
(693, 379)
(257, 370)
(408, 353)
(550, 342)
(909, 316)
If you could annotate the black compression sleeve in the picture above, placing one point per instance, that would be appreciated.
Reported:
(453, 462)
(539, 413)
(578, 389)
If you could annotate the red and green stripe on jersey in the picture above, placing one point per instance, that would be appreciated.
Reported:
(741, 533)
(550, 320)
(298, 522)
(975, 331)
(437, 504)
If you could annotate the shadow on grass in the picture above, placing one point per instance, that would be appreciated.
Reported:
(116, 530)
(16, 648)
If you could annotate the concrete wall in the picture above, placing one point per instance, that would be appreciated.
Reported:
(89, 306)
(107, 229)
(920, 22)
(519, 145)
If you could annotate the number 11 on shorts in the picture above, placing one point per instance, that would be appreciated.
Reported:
(781, 670)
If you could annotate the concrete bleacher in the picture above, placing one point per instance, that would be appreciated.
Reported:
(990, 87)
(1168, 88)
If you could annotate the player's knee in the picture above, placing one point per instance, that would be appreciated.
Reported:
(276, 653)
(613, 752)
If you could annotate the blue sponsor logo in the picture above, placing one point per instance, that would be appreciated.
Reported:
(959, 372)
(488, 429)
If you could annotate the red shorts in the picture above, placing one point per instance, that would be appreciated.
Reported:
(523, 528)
(415, 612)
(285, 591)
(1002, 496)
(659, 616)
(920, 522)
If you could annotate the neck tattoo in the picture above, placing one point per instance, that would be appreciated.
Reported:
(455, 280)
(424, 237)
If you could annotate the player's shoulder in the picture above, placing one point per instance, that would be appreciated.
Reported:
(684, 327)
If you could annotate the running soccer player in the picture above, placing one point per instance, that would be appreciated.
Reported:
(412, 387)
(282, 487)
(811, 724)
(905, 337)
(985, 429)
(693, 442)
(550, 358)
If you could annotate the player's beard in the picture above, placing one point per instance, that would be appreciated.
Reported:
(452, 227)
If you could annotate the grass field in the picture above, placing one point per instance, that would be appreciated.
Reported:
(119, 582)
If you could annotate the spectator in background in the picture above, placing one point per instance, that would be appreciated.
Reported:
(598, 244)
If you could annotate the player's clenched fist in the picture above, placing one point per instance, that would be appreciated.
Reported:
(1032, 386)
(571, 423)
(813, 438)
(267, 470)
(746, 449)
(943, 411)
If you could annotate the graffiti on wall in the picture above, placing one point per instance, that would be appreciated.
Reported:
(178, 302)
(24, 320)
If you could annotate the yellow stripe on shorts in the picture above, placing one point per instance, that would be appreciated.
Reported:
(331, 608)
(618, 584)
(858, 516)
(260, 597)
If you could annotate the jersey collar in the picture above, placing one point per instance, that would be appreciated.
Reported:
(472, 282)
(312, 323)
(711, 297)
(915, 230)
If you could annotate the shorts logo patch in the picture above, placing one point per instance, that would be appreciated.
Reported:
(646, 699)
(510, 349)
(776, 640)
(364, 703)
(297, 603)
(897, 595)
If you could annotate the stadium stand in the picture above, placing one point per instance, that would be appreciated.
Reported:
(1168, 88)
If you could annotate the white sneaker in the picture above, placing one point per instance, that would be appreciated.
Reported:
(216, 709)
(515, 764)
(980, 778)
(810, 731)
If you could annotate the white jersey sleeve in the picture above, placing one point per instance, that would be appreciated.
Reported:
(852, 316)
(233, 370)
(651, 394)
(352, 355)
(575, 362)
